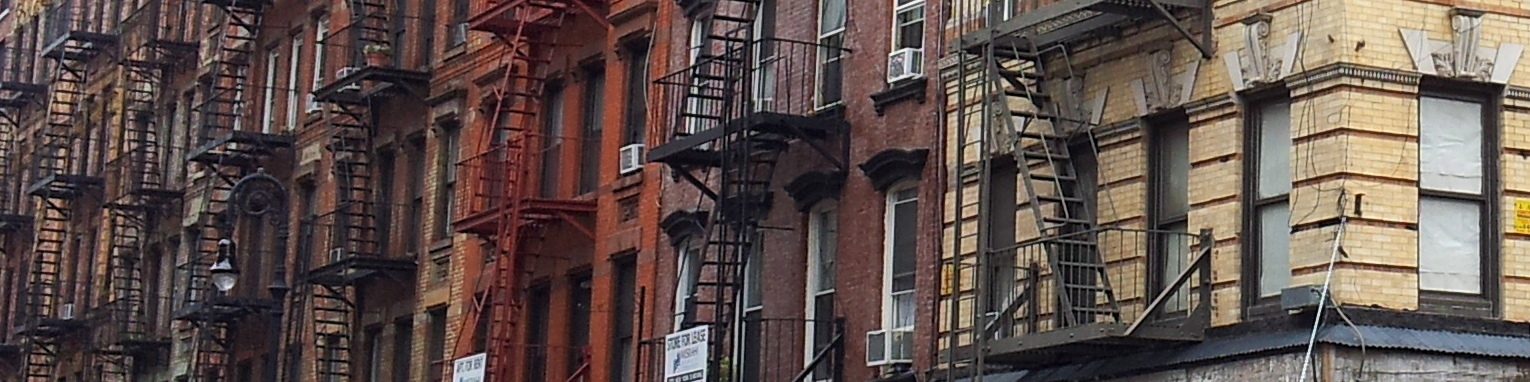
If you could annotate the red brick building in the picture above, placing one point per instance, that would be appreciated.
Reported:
(800, 224)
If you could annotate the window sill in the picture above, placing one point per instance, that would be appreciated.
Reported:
(897, 92)
(453, 53)
(1454, 304)
(440, 245)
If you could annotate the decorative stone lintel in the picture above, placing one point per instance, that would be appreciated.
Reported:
(1259, 62)
(679, 224)
(1164, 89)
(1462, 56)
(910, 89)
(889, 166)
(815, 186)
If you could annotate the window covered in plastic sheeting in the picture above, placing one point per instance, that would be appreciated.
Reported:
(1451, 198)
(1272, 197)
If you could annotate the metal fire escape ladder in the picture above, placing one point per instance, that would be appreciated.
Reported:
(221, 113)
(531, 29)
(370, 17)
(1039, 142)
(353, 235)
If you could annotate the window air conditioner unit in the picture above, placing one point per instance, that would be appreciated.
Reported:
(903, 64)
(889, 347)
(313, 105)
(631, 158)
(346, 71)
(66, 312)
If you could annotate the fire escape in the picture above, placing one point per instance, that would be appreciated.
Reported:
(140, 191)
(20, 89)
(224, 150)
(743, 102)
(62, 174)
(499, 202)
(1034, 118)
(355, 254)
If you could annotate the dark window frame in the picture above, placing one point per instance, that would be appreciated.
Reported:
(592, 132)
(435, 345)
(1488, 303)
(635, 118)
(1251, 269)
(448, 152)
(1152, 137)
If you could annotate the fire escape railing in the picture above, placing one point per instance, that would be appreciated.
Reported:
(771, 349)
(778, 76)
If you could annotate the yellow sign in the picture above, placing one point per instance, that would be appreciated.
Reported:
(1522, 216)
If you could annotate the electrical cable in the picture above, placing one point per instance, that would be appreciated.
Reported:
(1317, 321)
(1358, 335)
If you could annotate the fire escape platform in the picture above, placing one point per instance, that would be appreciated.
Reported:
(52, 327)
(78, 45)
(225, 308)
(218, 150)
(385, 81)
(351, 269)
(486, 222)
(1071, 20)
(239, 4)
(15, 95)
(11, 222)
(1086, 340)
(63, 186)
(688, 151)
(495, 19)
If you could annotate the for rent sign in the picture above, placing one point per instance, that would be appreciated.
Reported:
(470, 368)
(685, 355)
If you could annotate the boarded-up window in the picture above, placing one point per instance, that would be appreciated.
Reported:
(1450, 164)
(1272, 197)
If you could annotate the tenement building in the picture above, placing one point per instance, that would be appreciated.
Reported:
(1234, 190)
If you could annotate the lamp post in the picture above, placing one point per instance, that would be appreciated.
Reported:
(259, 195)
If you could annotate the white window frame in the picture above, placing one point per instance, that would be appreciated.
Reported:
(822, 220)
(320, 42)
(907, 6)
(696, 45)
(1447, 177)
(687, 274)
(826, 48)
(273, 58)
(294, 63)
(889, 296)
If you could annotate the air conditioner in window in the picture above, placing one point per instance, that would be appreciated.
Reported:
(312, 103)
(346, 71)
(889, 347)
(66, 312)
(903, 64)
(631, 158)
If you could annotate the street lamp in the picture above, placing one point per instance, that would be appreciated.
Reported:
(224, 275)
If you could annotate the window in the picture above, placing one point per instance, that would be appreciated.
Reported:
(446, 166)
(1451, 196)
(373, 338)
(751, 349)
(267, 124)
(697, 107)
(1169, 179)
(552, 140)
(902, 238)
(310, 215)
(623, 354)
(1002, 207)
(320, 35)
(763, 64)
(385, 204)
(687, 277)
(294, 60)
(456, 31)
(908, 33)
(427, 47)
(823, 239)
(831, 38)
(578, 321)
(416, 191)
(398, 36)
(403, 346)
(539, 311)
(593, 115)
(1270, 125)
(636, 119)
(435, 348)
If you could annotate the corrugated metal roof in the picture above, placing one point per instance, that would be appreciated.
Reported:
(1374, 337)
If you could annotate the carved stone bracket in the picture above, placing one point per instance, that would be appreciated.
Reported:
(1079, 111)
(1164, 89)
(1463, 56)
(1260, 62)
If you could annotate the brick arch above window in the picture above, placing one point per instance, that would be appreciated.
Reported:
(682, 224)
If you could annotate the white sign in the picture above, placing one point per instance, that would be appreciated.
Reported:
(470, 368)
(685, 355)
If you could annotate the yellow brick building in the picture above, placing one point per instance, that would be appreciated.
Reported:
(1371, 151)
